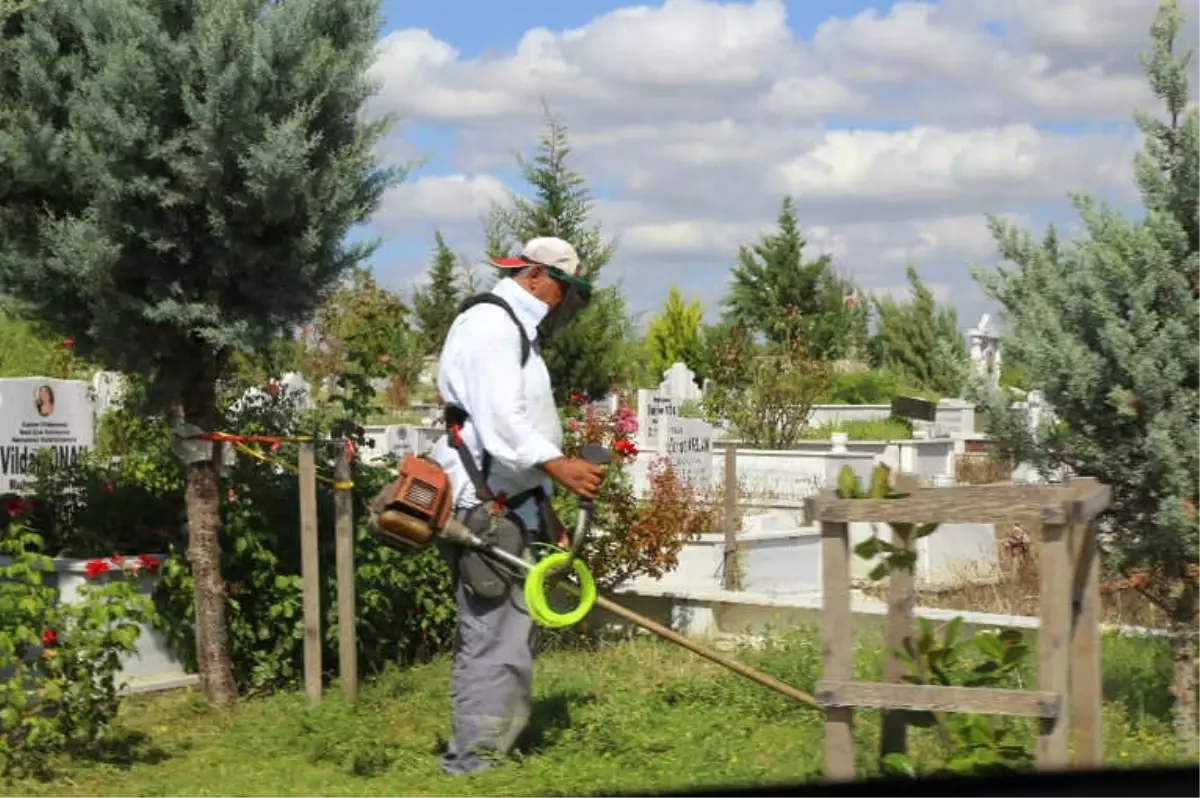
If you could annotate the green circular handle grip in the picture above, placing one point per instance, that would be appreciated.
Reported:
(535, 592)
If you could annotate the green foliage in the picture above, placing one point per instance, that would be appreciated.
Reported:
(777, 293)
(26, 351)
(969, 743)
(884, 429)
(591, 352)
(919, 340)
(61, 660)
(436, 305)
(1107, 328)
(871, 387)
(765, 394)
(974, 744)
(673, 335)
(184, 190)
(361, 334)
(405, 610)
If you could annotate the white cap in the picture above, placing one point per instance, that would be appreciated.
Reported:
(546, 251)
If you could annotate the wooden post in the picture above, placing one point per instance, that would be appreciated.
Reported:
(347, 639)
(901, 601)
(1054, 643)
(1085, 677)
(309, 575)
(837, 646)
(731, 575)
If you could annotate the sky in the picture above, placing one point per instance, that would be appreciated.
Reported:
(896, 127)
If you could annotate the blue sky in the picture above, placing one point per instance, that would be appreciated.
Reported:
(897, 127)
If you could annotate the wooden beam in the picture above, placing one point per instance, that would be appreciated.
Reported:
(1054, 636)
(936, 698)
(1085, 679)
(901, 603)
(968, 504)
(837, 646)
(310, 580)
(731, 576)
(1093, 499)
(343, 502)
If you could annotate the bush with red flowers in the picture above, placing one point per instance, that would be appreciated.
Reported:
(630, 537)
(62, 658)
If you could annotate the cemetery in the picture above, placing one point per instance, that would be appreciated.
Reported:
(803, 520)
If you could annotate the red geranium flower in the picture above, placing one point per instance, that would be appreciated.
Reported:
(68, 343)
(49, 638)
(118, 559)
(109, 487)
(13, 506)
(96, 568)
(625, 448)
(148, 562)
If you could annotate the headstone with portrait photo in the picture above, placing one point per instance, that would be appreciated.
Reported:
(39, 413)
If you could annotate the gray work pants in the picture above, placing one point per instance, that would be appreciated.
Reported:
(491, 685)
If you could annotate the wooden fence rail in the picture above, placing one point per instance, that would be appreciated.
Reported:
(1067, 699)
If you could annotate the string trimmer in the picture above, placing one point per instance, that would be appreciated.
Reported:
(416, 510)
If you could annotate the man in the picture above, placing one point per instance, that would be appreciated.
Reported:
(504, 440)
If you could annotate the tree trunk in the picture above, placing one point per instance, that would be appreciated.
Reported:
(1184, 674)
(204, 554)
(203, 498)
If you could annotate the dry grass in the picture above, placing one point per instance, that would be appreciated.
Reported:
(1015, 590)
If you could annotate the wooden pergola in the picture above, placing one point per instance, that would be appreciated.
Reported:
(1067, 700)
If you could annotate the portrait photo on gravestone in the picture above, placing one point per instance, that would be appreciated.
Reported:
(39, 413)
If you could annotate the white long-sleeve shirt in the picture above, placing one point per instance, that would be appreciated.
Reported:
(510, 409)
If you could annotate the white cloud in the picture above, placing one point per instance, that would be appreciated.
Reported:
(925, 163)
(692, 118)
(449, 198)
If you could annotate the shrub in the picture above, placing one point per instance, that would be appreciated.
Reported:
(63, 659)
(872, 387)
(632, 538)
(884, 429)
(405, 609)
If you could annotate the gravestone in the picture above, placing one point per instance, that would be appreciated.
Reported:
(985, 349)
(678, 386)
(295, 384)
(108, 390)
(688, 447)
(39, 413)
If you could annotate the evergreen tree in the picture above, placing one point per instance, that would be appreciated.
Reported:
(436, 305)
(176, 183)
(673, 335)
(918, 340)
(590, 353)
(1107, 329)
(779, 294)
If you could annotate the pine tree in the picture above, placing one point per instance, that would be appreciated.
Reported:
(779, 294)
(918, 340)
(436, 305)
(673, 335)
(1107, 330)
(178, 181)
(588, 355)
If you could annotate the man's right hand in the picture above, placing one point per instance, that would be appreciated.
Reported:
(576, 475)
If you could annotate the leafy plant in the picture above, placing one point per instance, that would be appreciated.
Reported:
(62, 660)
(970, 743)
(896, 556)
(765, 394)
(632, 537)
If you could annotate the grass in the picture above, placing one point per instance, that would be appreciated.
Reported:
(636, 716)
(883, 429)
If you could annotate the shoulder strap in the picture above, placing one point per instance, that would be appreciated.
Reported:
(492, 299)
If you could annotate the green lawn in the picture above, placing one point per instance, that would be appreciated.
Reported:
(634, 717)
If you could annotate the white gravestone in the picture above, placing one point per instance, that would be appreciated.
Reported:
(108, 390)
(985, 349)
(688, 447)
(678, 386)
(42, 413)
